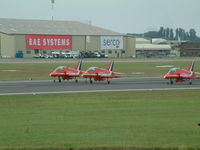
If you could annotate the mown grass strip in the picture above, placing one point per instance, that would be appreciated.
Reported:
(151, 119)
(40, 71)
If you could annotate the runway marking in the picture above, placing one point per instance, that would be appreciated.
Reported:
(165, 66)
(93, 91)
(13, 86)
(8, 70)
(137, 72)
(26, 81)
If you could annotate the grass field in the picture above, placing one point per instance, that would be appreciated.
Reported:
(24, 71)
(151, 119)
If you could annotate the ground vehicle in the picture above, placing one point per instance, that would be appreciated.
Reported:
(74, 54)
(91, 54)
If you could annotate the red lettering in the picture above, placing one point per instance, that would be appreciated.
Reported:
(48, 42)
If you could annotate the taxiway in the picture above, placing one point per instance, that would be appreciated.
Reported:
(120, 84)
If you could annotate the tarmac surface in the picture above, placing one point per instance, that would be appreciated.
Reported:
(62, 60)
(119, 84)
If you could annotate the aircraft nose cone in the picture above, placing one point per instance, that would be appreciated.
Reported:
(166, 76)
(83, 75)
(52, 74)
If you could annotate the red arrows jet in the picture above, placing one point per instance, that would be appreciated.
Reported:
(100, 74)
(181, 75)
(66, 73)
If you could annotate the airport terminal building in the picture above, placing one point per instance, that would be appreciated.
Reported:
(26, 38)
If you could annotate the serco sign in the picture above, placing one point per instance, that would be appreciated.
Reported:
(48, 41)
(111, 42)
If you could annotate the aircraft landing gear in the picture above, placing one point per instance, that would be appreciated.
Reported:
(171, 81)
(76, 80)
(108, 80)
(90, 81)
(59, 79)
(190, 82)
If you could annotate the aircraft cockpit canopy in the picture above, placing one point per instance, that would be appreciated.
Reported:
(91, 69)
(173, 70)
(60, 68)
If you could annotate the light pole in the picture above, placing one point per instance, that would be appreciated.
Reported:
(52, 3)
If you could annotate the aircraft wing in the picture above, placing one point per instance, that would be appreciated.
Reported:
(117, 74)
(112, 75)
(196, 75)
(81, 72)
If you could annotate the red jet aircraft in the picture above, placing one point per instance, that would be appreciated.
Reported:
(181, 75)
(100, 74)
(66, 73)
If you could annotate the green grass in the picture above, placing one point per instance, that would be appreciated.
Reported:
(36, 71)
(151, 119)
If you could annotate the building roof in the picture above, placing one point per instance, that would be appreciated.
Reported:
(142, 41)
(158, 40)
(153, 47)
(49, 27)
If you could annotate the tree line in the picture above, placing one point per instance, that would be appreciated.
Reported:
(170, 34)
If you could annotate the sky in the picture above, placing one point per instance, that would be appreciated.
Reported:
(124, 16)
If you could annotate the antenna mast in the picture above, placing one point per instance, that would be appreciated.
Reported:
(52, 3)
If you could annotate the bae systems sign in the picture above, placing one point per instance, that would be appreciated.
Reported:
(48, 42)
(111, 42)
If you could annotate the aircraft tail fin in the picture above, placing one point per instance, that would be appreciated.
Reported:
(78, 65)
(110, 66)
(191, 67)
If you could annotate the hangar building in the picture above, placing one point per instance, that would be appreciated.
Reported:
(146, 48)
(32, 37)
(188, 48)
